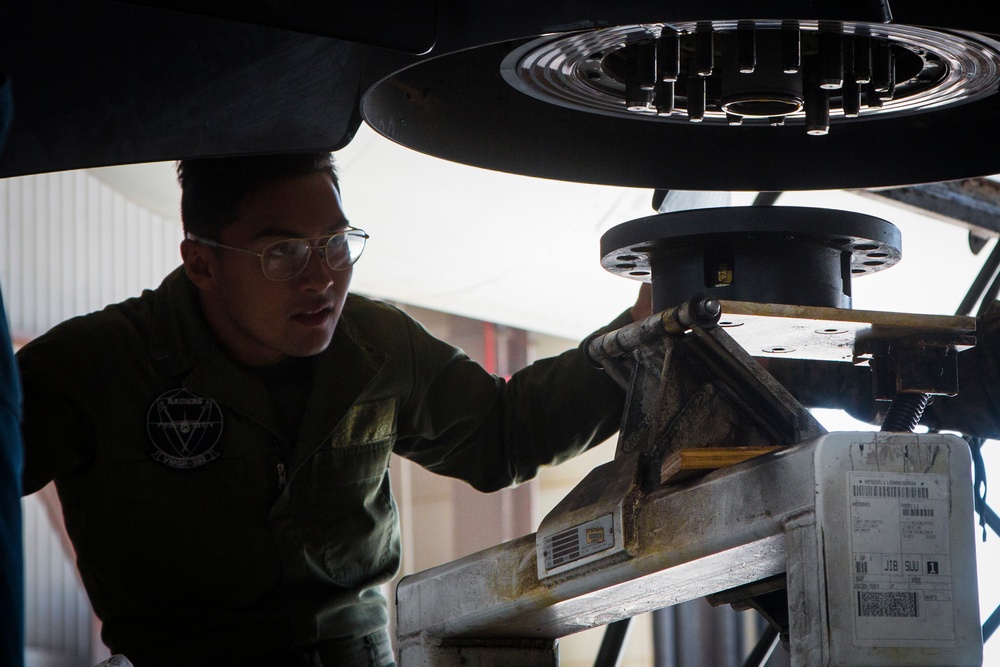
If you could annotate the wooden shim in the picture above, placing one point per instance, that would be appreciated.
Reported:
(687, 463)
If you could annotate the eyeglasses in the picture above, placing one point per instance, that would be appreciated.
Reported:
(286, 259)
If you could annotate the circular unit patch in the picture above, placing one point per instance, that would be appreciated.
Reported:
(184, 428)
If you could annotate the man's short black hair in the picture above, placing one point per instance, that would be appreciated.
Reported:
(213, 189)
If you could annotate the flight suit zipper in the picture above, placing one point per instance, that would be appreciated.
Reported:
(282, 477)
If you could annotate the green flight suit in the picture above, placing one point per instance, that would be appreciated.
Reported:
(200, 530)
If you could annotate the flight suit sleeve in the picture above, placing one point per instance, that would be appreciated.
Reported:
(57, 428)
(463, 422)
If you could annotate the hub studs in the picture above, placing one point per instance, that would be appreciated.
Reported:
(760, 73)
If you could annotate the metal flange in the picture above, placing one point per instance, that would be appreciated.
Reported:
(787, 255)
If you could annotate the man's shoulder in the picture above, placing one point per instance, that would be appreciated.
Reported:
(105, 330)
(371, 318)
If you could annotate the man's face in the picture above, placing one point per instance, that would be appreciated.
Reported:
(262, 321)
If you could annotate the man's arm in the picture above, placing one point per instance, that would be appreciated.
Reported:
(55, 425)
(494, 432)
(643, 306)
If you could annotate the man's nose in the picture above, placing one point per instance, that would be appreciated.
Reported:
(317, 275)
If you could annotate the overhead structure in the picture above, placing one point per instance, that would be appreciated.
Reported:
(97, 82)
(688, 95)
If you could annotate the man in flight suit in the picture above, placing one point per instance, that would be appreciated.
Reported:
(221, 444)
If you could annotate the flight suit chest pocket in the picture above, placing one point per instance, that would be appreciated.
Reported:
(345, 519)
(365, 423)
(358, 449)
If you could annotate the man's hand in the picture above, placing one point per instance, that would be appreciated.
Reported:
(643, 307)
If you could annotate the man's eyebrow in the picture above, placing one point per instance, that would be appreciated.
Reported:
(275, 232)
(284, 233)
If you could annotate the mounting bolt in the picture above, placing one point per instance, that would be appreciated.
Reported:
(663, 98)
(873, 98)
(746, 47)
(642, 57)
(851, 93)
(708, 309)
(831, 56)
(882, 66)
(668, 55)
(862, 61)
(817, 108)
(791, 47)
(696, 98)
(636, 97)
(890, 90)
(704, 49)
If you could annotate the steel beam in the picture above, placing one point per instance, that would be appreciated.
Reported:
(695, 540)
(789, 512)
(973, 202)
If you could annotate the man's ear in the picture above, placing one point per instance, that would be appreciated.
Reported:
(199, 263)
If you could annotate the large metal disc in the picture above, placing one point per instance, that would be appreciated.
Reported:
(558, 104)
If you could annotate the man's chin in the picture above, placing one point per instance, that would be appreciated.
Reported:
(310, 346)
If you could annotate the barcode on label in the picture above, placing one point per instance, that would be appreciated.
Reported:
(872, 491)
(917, 512)
(896, 604)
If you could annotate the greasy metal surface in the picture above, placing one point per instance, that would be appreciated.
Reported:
(609, 489)
(722, 532)
(427, 651)
(694, 390)
(760, 394)
(730, 529)
(916, 364)
(673, 321)
(828, 334)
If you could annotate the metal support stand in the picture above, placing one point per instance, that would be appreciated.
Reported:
(871, 533)
(765, 646)
(732, 528)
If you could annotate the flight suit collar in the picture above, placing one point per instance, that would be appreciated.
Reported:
(182, 344)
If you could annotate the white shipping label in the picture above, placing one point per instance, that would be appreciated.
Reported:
(901, 555)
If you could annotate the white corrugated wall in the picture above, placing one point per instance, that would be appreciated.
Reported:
(69, 244)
